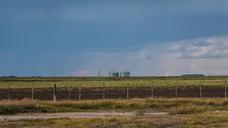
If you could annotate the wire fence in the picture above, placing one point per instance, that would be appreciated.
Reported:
(83, 93)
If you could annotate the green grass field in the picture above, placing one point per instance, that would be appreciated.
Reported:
(37, 82)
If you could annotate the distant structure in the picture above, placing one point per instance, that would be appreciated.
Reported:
(114, 73)
(125, 73)
(99, 73)
(193, 75)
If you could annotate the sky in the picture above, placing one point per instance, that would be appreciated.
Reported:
(146, 37)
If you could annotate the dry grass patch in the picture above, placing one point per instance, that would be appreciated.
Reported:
(172, 105)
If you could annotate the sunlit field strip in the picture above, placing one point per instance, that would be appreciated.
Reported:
(43, 82)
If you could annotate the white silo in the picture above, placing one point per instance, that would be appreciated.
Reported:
(114, 73)
(125, 73)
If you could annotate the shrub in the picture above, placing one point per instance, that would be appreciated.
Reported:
(188, 109)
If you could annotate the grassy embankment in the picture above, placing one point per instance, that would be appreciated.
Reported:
(181, 113)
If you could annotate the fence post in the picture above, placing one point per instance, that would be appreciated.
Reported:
(32, 90)
(8, 92)
(176, 89)
(54, 93)
(200, 91)
(69, 94)
(103, 91)
(225, 89)
(79, 93)
(69, 90)
(127, 91)
(152, 92)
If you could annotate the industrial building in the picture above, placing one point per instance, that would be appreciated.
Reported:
(123, 73)
(193, 75)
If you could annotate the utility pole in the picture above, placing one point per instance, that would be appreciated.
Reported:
(99, 73)
(54, 93)
(225, 89)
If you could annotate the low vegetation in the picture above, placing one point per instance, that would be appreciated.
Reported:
(173, 106)
(189, 109)
(182, 112)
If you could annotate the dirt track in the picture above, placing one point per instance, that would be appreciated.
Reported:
(73, 115)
